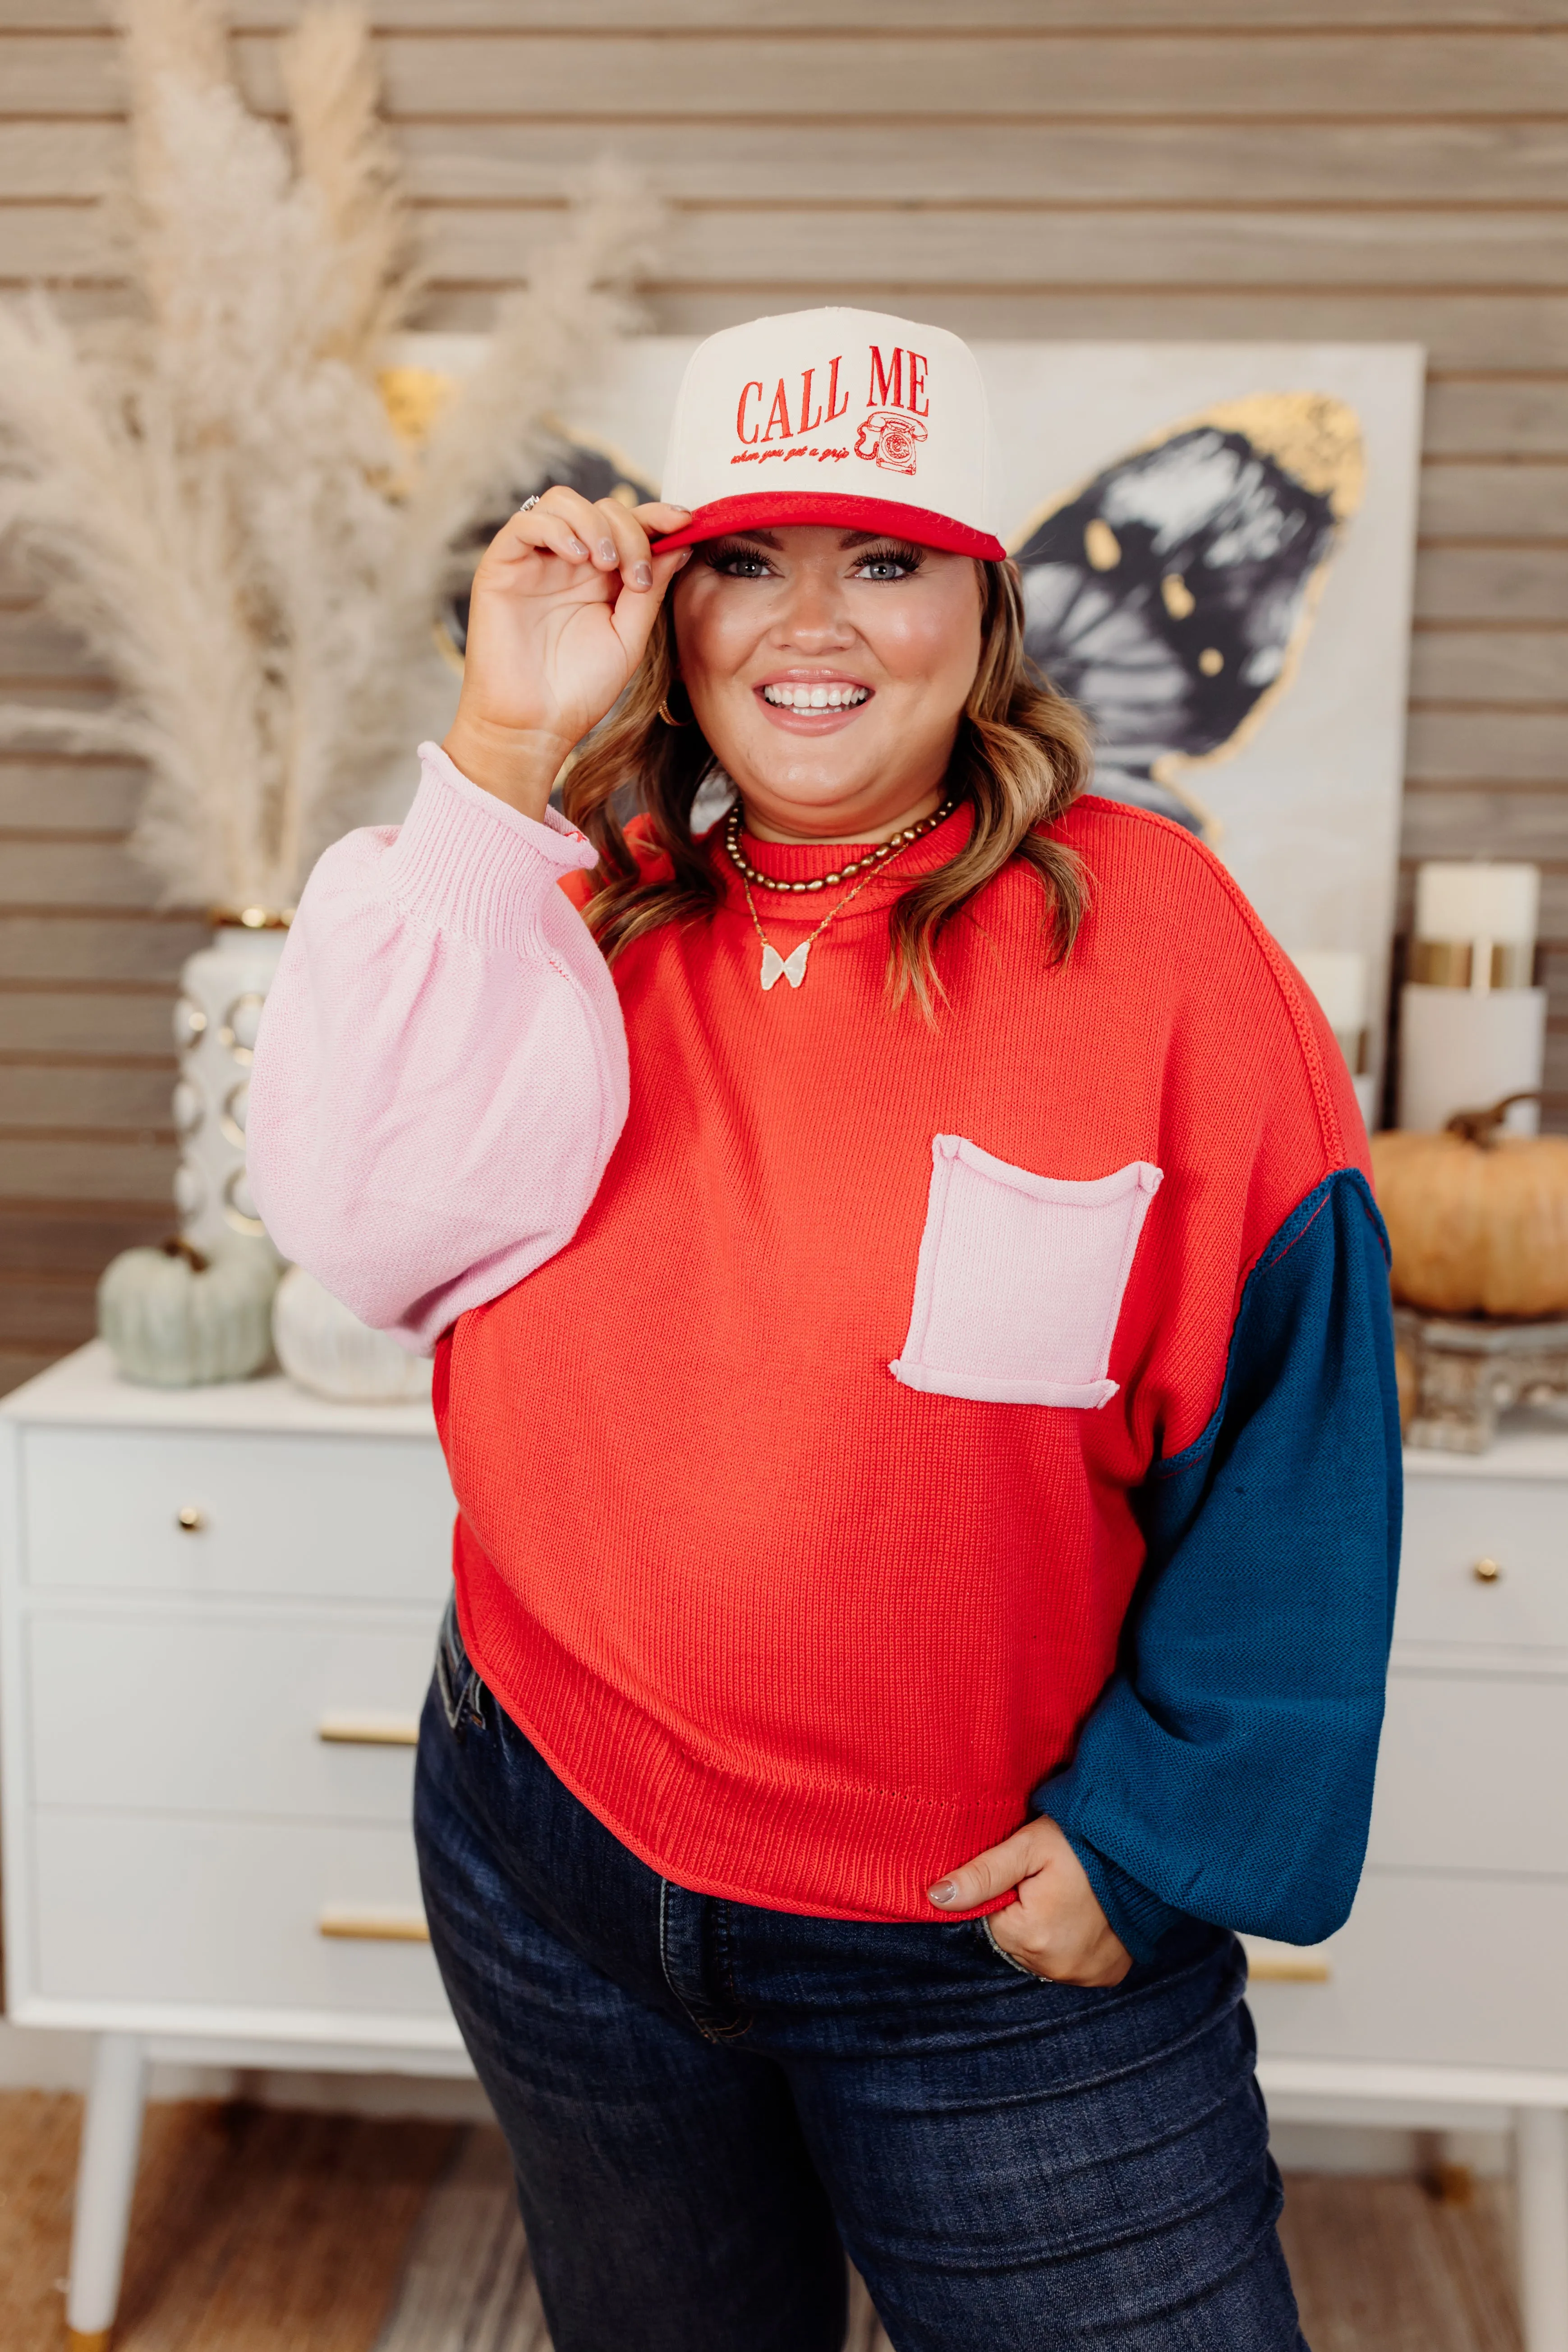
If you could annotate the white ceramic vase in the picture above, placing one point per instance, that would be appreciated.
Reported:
(328, 1350)
(222, 989)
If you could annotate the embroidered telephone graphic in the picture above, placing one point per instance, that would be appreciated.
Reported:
(1171, 596)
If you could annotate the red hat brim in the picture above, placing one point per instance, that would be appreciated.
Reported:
(761, 508)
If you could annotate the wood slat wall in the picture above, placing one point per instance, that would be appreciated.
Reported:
(1138, 168)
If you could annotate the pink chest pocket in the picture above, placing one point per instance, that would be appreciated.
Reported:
(1020, 1279)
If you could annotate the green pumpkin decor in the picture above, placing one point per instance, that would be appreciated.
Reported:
(176, 1319)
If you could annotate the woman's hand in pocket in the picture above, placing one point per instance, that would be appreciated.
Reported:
(1056, 1926)
(563, 604)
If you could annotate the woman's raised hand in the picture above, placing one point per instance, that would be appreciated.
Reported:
(564, 602)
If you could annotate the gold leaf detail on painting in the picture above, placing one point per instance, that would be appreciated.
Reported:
(1177, 597)
(1314, 437)
(1101, 545)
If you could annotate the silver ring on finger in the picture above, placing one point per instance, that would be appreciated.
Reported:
(529, 504)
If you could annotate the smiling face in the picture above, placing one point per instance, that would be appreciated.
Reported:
(828, 671)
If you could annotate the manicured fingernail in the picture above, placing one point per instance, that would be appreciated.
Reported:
(682, 555)
(575, 547)
(606, 551)
(642, 575)
(944, 1891)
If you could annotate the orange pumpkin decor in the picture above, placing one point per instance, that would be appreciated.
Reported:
(1479, 1219)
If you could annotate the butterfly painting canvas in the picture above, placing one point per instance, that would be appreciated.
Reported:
(1170, 596)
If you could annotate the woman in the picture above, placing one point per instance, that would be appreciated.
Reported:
(924, 1432)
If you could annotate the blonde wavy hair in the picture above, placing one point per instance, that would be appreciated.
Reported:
(1021, 758)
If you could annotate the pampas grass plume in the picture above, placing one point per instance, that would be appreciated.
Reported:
(211, 494)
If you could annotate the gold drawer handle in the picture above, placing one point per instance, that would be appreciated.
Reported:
(1271, 1963)
(369, 1730)
(371, 1924)
(191, 1520)
(1486, 1572)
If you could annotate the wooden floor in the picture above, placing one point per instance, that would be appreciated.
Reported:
(259, 2231)
(253, 2230)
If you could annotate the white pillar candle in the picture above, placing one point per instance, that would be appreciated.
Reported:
(1477, 902)
(1489, 910)
(1461, 1050)
(1337, 978)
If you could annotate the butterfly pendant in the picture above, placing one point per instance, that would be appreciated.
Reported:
(791, 967)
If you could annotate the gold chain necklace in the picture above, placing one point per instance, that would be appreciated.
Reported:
(873, 857)
(792, 967)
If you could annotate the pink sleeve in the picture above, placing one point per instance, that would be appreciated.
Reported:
(441, 1072)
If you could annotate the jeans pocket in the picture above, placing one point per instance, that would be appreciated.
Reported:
(462, 1693)
(1006, 1958)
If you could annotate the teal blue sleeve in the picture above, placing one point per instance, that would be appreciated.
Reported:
(1226, 1772)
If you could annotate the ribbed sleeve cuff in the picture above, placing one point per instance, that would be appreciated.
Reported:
(465, 862)
(1138, 1917)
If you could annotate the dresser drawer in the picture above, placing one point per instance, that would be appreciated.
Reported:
(1450, 1525)
(1433, 1968)
(1471, 1775)
(308, 1720)
(322, 1517)
(226, 1913)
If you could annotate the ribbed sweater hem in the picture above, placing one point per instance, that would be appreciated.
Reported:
(824, 1852)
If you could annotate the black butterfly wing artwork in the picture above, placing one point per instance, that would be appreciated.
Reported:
(1171, 596)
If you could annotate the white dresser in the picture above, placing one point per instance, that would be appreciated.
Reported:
(219, 1608)
(218, 1616)
(1448, 1986)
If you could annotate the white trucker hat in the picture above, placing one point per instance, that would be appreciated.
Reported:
(833, 416)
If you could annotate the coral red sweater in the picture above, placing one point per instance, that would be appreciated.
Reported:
(799, 1473)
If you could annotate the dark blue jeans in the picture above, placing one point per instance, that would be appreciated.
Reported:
(706, 2103)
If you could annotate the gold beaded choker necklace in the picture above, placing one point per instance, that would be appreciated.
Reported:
(792, 967)
(873, 857)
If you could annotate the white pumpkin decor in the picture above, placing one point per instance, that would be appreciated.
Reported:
(176, 1319)
(328, 1350)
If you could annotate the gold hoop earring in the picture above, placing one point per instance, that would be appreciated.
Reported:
(664, 712)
